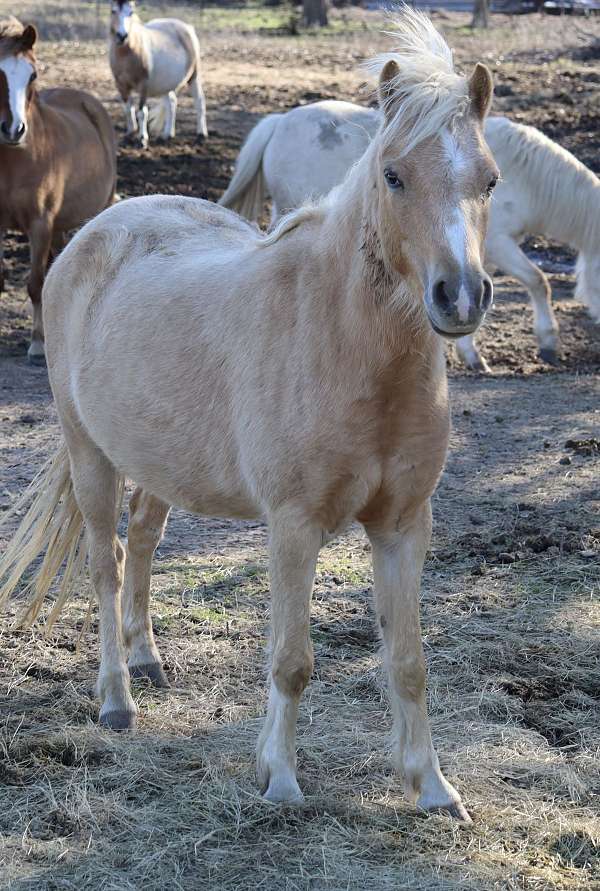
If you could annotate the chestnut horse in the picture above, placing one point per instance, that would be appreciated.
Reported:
(57, 161)
(297, 376)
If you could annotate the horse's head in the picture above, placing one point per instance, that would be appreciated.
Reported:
(434, 175)
(17, 75)
(121, 15)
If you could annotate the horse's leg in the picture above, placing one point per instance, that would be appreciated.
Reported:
(200, 103)
(468, 352)
(147, 521)
(40, 241)
(2, 234)
(398, 555)
(95, 484)
(171, 113)
(142, 117)
(293, 550)
(505, 253)
(129, 109)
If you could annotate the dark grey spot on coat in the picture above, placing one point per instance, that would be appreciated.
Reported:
(329, 136)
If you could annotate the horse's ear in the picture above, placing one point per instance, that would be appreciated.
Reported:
(481, 90)
(386, 85)
(28, 37)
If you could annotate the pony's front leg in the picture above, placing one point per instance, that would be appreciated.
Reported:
(130, 119)
(293, 550)
(147, 521)
(398, 556)
(142, 118)
(40, 242)
(200, 104)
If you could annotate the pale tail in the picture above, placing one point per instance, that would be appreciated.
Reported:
(52, 524)
(247, 191)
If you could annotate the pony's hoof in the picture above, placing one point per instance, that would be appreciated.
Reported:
(152, 671)
(549, 356)
(200, 138)
(283, 792)
(479, 365)
(128, 139)
(37, 359)
(118, 720)
(455, 809)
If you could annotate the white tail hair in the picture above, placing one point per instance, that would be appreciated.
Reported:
(246, 192)
(52, 525)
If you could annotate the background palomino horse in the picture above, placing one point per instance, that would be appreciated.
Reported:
(156, 59)
(57, 160)
(544, 190)
(295, 376)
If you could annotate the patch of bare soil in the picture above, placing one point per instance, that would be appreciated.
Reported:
(510, 612)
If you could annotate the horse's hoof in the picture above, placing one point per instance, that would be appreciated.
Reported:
(128, 139)
(200, 138)
(550, 356)
(152, 671)
(456, 810)
(37, 359)
(479, 365)
(118, 720)
(283, 793)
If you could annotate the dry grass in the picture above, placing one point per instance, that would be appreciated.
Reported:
(510, 617)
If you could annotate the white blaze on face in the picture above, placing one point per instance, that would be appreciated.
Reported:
(124, 14)
(18, 71)
(456, 229)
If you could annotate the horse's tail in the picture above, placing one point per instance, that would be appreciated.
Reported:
(52, 524)
(247, 190)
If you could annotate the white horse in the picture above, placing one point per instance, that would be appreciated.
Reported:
(544, 190)
(154, 60)
(296, 376)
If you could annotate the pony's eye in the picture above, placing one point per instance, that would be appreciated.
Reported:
(491, 186)
(392, 179)
(33, 77)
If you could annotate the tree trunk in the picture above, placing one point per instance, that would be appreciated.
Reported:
(315, 12)
(481, 11)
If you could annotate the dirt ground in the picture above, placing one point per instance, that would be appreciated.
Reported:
(510, 608)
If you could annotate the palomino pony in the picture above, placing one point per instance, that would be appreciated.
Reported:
(544, 190)
(57, 161)
(297, 376)
(156, 59)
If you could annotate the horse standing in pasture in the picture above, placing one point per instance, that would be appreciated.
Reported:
(297, 376)
(155, 60)
(57, 161)
(544, 190)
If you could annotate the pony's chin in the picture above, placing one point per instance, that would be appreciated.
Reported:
(450, 335)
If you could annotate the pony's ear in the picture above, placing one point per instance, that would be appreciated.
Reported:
(481, 90)
(386, 85)
(28, 37)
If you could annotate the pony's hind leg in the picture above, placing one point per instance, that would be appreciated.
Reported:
(293, 550)
(170, 114)
(469, 354)
(96, 487)
(200, 104)
(505, 253)
(398, 555)
(147, 521)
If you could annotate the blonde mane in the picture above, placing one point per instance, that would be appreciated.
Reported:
(427, 94)
(424, 97)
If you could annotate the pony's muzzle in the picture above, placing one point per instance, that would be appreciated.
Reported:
(121, 37)
(13, 137)
(457, 307)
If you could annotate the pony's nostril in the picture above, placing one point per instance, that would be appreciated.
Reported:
(440, 296)
(488, 293)
(4, 129)
(20, 130)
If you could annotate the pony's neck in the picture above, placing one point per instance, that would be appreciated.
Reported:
(378, 298)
